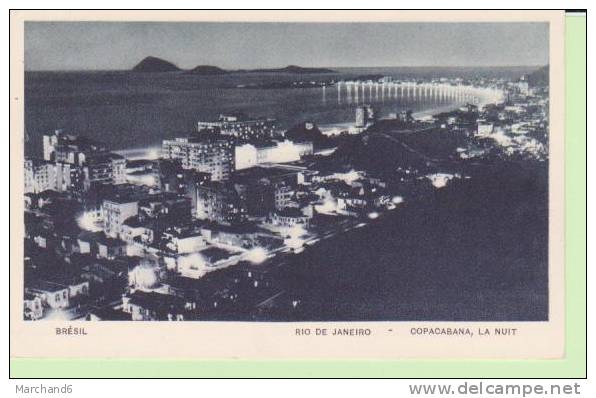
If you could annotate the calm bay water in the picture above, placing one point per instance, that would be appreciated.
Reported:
(131, 110)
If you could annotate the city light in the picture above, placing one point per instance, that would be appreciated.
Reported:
(150, 153)
(192, 265)
(153, 154)
(88, 222)
(256, 255)
(143, 276)
(329, 206)
(194, 260)
(296, 231)
(142, 179)
(326, 152)
(440, 180)
(295, 240)
(373, 215)
(350, 177)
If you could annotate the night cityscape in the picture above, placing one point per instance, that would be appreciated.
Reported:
(372, 195)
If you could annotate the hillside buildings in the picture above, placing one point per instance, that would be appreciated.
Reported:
(42, 175)
(73, 163)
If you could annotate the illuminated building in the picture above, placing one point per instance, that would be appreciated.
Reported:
(104, 168)
(52, 294)
(90, 158)
(167, 207)
(264, 189)
(135, 231)
(484, 128)
(182, 241)
(252, 154)
(110, 248)
(220, 203)
(406, 116)
(69, 148)
(245, 235)
(240, 127)
(365, 115)
(152, 306)
(210, 155)
(57, 293)
(42, 175)
(155, 214)
(33, 307)
(290, 217)
(115, 212)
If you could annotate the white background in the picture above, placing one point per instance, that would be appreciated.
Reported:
(262, 388)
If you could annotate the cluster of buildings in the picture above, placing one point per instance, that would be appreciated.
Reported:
(513, 124)
(111, 238)
(518, 125)
(72, 163)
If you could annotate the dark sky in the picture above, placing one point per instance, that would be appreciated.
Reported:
(120, 45)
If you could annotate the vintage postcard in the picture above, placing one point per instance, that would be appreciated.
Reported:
(287, 185)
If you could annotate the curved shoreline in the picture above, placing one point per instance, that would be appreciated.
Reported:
(153, 152)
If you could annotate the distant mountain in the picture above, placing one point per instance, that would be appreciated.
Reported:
(539, 77)
(208, 70)
(292, 69)
(154, 64)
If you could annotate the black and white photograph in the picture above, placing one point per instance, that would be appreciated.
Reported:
(286, 171)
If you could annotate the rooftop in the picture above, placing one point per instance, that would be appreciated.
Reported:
(258, 172)
(140, 163)
(244, 228)
(111, 314)
(44, 286)
(290, 212)
(160, 303)
(215, 254)
(82, 142)
(103, 157)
